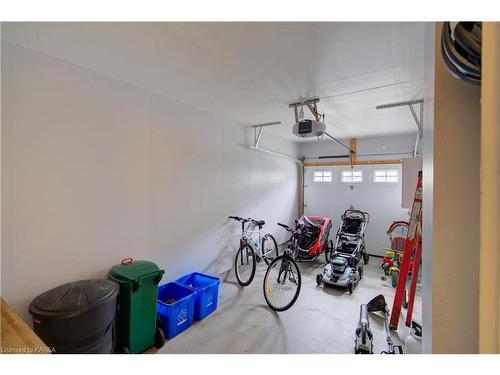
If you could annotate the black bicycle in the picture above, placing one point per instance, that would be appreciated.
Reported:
(282, 281)
(253, 248)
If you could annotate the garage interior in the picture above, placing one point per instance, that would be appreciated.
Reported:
(140, 140)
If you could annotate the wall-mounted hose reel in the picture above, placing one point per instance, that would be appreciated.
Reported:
(461, 50)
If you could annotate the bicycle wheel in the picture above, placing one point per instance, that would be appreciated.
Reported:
(244, 265)
(282, 283)
(269, 248)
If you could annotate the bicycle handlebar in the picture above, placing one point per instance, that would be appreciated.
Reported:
(240, 219)
(285, 226)
(253, 221)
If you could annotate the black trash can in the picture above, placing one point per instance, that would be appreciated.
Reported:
(77, 317)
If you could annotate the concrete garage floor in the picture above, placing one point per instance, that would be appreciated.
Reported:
(322, 320)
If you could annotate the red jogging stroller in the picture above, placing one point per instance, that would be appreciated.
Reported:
(315, 238)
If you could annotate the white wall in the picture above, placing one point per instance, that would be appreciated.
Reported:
(95, 170)
(381, 200)
(410, 170)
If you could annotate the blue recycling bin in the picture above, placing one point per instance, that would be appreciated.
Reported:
(175, 308)
(207, 292)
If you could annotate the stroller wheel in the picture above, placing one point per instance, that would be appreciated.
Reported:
(366, 258)
(360, 271)
(319, 279)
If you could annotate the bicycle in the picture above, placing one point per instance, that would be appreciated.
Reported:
(253, 248)
(283, 280)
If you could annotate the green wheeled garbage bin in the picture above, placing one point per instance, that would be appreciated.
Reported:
(136, 328)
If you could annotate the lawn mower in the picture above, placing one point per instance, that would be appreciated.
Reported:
(343, 267)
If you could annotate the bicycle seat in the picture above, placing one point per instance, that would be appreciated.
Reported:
(259, 223)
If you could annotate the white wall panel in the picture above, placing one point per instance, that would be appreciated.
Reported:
(381, 200)
(95, 170)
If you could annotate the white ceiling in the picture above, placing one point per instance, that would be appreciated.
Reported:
(251, 71)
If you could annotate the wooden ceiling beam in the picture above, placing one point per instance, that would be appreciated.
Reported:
(353, 159)
(347, 163)
(352, 145)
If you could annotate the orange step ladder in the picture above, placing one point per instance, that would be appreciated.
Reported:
(412, 255)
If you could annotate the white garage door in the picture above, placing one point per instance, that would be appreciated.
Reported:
(329, 191)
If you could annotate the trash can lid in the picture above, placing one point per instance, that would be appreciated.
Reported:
(73, 298)
(131, 269)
